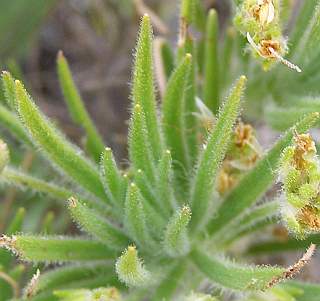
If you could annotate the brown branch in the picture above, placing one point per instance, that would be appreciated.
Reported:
(293, 270)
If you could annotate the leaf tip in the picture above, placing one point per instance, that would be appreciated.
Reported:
(7, 242)
(188, 57)
(72, 202)
(60, 55)
(243, 79)
(5, 73)
(130, 269)
(146, 18)
(212, 13)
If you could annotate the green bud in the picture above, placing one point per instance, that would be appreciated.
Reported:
(130, 269)
(176, 241)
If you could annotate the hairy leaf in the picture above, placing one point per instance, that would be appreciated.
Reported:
(176, 240)
(94, 224)
(143, 85)
(77, 109)
(173, 118)
(140, 152)
(234, 276)
(211, 67)
(66, 156)
(212, 156)
(130, 269)
(56, 249)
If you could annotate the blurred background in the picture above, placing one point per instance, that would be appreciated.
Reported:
(97, 37)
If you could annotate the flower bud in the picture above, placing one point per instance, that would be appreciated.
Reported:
(130, 269)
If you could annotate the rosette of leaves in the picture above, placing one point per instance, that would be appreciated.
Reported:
(149, 226)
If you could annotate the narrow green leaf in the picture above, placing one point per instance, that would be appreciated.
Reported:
(130, 269)
(302, 22)
(135, 217)
(233, 276)
(173, 118)
(311, 291)
(154, 217)
(148, 192)
(187, 11)
(15, 68)
(226, 61)
(16, 223)
(190, 120)
(199, 15)
(55, 249)
(212, 156)
(308, 46)
(77, 109)
(285, 12)
(61, 276)
(48, 223)
(211, 66)
(111, 178)
(108, 278)
(170, 283)
(9, 89)
(165, 183)
(65, 155)
(264, 214)
(281, 118)
(20, 179)
(256, 182)
(274, 246)
(143, 85)
(186, 46)
(176, 241)
(167, 58)
(11, 122)
(139, 145)
(97, 226)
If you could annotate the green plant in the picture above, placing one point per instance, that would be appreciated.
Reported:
(158, 227)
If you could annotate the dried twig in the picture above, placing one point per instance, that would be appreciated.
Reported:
(293, 270)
